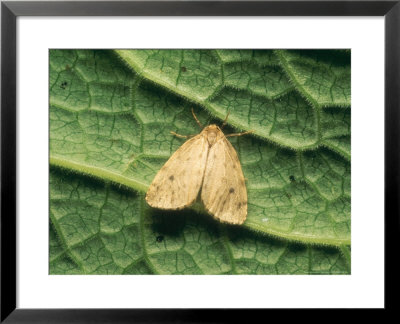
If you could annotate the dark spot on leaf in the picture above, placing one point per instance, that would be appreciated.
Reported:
(292, 178)
(183, 69)
(159, 238)
(171, 178)
(289, 195)
(231, 190)
(239, 205)
(63, 85)
(67, 67)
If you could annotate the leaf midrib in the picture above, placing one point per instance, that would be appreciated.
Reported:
(107, 175)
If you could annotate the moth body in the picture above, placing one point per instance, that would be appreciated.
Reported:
(207, 163)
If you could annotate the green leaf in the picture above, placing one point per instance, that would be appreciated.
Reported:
(97, 228)
(323, 78)
(111, 114)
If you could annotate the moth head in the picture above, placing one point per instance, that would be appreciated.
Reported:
(213, 133)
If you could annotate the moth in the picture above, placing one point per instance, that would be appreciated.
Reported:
(205, 163)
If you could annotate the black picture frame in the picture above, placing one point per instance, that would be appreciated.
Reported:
(11, 10)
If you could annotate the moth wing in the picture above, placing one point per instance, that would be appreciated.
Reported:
(224, 192)
(178, 182)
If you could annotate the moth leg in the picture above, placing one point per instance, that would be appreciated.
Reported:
(197, 121)
(225, 120)
(239, 134)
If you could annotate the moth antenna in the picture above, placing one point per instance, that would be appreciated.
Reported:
(239, 134)
(197, 121)
(179, 135)
(225, 120)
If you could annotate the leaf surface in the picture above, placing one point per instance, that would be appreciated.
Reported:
(111, 114)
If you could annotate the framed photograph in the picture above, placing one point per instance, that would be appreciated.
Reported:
(173, 156)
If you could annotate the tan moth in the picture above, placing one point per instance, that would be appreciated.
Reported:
(205, 163)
